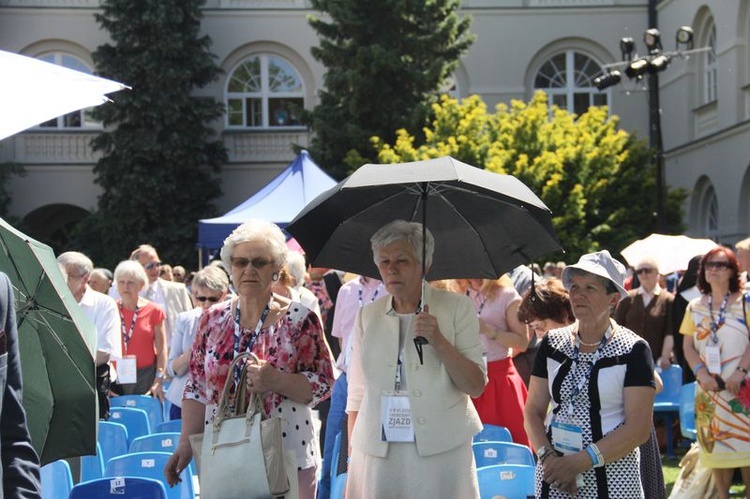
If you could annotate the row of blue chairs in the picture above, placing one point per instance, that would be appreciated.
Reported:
(57, 480)
(676, 401)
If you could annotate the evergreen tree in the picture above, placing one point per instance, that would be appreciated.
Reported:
(598, 180)
(159, 152)
(385, 61)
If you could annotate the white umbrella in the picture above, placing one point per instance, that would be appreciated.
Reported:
(672, 253)
(34, 91)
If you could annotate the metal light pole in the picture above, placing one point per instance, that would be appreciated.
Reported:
(655, 136)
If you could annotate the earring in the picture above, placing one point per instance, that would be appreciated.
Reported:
(275, 276)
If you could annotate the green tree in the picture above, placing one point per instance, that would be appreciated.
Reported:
(385, 61)
(159, 151)
(598, 180)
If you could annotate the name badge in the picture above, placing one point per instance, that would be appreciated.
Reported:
(126, 370)
(567, 438)
(396, 418)
(713, 359)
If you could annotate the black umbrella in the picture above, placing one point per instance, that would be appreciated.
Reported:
(484, 223)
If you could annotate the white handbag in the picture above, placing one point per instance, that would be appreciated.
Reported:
(241, 454)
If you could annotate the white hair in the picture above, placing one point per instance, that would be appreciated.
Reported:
(80, 262)
(410, 232)
(256, 231)
(131, 268)
(295, 264)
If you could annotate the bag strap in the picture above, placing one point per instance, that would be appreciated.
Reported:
(223, 411)
(745, 298)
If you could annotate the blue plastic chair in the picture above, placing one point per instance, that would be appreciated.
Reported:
(338, 486)
(57, 480)
(491, 453)
(113, 438)
(135, 420)
(169, 426)
(158, 442)
(493, 433)
(687, 411)
(335, 457)
(667, 402)
(92, 467)
(151, 405)
(510, 481)
(127, 487)
(151, 465)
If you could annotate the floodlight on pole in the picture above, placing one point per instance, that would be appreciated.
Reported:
(652, 39)
(608, 80)
(684, 37)
(637, 68)
(658, 63)
(627, 48)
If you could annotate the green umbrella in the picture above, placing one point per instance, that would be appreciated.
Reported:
(57, 344)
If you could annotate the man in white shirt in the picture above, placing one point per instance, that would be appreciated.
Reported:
(101, 310)
(173, 297)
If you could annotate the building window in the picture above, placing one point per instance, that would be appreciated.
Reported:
(710, 69)
(568, 80)
(264, 91)
(708, 212)
(75, 119)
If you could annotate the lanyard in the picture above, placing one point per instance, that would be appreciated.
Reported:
(579, 382)
(237, 335)
(481, 303)
(127, 334)
(361, 292)
(720, 322)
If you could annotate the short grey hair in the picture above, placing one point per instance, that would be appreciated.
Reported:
(80, 262)
(410, 232)
(295, 264)
(255, 230)
(131, 268)
(212, 278)
(103, 273)
(143, 249)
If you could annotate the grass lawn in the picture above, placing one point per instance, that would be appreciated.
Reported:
(672, 470)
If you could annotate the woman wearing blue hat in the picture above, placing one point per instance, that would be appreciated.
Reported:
(598, 377)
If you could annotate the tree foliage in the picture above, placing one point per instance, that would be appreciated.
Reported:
(385, 61)
(159, 151)
(598, 180)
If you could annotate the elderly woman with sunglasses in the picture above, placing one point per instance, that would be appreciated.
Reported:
(716, 345)
(210, 286)
(296, 366)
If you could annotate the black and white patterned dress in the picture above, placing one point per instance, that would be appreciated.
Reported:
(624, 361)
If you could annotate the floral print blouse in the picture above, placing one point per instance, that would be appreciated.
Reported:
(295, 344)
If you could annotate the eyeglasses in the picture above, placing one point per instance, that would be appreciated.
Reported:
(212, 299)
(718, 265)
(257, 263)
(151, 265)
(644, 271)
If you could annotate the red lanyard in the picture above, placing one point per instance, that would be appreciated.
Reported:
(127, 335)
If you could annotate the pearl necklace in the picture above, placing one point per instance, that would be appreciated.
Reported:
(595, 344)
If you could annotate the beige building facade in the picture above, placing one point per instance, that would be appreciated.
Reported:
(522, 45)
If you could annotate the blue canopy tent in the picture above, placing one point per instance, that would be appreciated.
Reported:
(279, 202)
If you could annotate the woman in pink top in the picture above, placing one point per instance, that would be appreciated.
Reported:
(496, 303)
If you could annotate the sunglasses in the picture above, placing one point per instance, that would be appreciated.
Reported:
(718, 265)
(152, 265)
(644, 271)
(212, 299)
(257, 263)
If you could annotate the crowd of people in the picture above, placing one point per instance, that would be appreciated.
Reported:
(565, 356)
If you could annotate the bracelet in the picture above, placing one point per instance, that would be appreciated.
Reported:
(159, 374)
(697, 368)
(596, 456)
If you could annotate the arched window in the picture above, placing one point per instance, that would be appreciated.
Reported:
(710, 66)
(568, 80)
(75, 119)
(264, 91)
(707, 211)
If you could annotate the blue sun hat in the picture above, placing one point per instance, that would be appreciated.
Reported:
(602, 264)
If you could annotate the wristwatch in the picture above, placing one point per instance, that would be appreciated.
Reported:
(543, 452)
